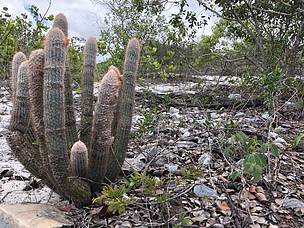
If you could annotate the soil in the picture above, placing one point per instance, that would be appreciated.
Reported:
(182, 145)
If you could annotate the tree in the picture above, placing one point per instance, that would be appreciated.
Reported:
(20, 34)
(165, 47)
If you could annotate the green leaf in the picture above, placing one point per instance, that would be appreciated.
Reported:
(253, 166)
(298, 140)
(234, 175)
(228, 151)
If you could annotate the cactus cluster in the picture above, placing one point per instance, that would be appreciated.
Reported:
(43, 133)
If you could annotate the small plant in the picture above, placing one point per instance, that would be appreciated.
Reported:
(146, 123)
(297, 141)
(191, 172)
(183, 220)
(115, 198)
(253, 151)
(148, 184)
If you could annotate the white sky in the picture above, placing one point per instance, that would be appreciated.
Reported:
(85, 18)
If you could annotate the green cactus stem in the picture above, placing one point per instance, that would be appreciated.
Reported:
(102, 138)
(35, 85)
(87, 91)
(53, 95)
(60, 21)
(79, 159)
(125, 108)
(20, 119)
(70, 119)
(18, 58)
(115, 120)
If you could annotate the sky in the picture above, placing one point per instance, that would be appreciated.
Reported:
(85, 18)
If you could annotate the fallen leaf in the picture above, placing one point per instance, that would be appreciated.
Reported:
(252, 189)
(259, 189)
(245, 194)
(261, 197)
(223, 206)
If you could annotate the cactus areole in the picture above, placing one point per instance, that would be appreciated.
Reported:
(43, 134)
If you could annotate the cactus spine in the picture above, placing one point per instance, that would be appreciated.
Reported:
(125, 108)
(42, 88)
(102, 138)
(87, 90)
(61, 22)
(21, 116)
(53, 102)
(79, 159)
(18, 58)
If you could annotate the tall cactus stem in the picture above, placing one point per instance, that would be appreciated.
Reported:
(60, 21)
(18, 58)
(35, 84)
(53, 102)
(70, 119)
(116, 114)
(125, 108)
(87, 91)
(20, 119)
(102, 138)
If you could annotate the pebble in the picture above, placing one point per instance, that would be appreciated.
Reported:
(293, 203)
(202, 190)
(204, 159)
(234, 96)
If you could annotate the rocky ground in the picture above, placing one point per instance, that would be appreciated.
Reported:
(177, 150)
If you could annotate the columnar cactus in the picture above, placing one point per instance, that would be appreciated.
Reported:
(42, 129)
(87, 90)
(18, 58)
(61, 22)
(79, 159)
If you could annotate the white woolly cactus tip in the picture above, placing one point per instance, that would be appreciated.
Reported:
(79, 147)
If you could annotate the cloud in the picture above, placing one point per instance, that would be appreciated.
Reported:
(86, 18)
(83, 16)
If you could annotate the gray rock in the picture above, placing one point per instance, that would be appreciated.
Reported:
(234, 96)
(239, 114)
(32, 215)
(273, 135)
(280, 129)
(185, 144)
(173, 110)
(172, 168)
(202, 190)
(293, 203)
(265, 115)
(205, 159)
(214, 115)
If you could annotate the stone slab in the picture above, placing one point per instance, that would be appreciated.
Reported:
(32, 216)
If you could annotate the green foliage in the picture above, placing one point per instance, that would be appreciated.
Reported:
(148, 184)
(146, 123)
(115, 198)
(20, 34)
(75, 58)
(183, 221)
(253, 151)
(191, 172)
(297, 141)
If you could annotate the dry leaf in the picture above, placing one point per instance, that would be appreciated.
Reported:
(261, 197)
(223, 206)
(252, 189)
(259, 189)
(245, 194)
